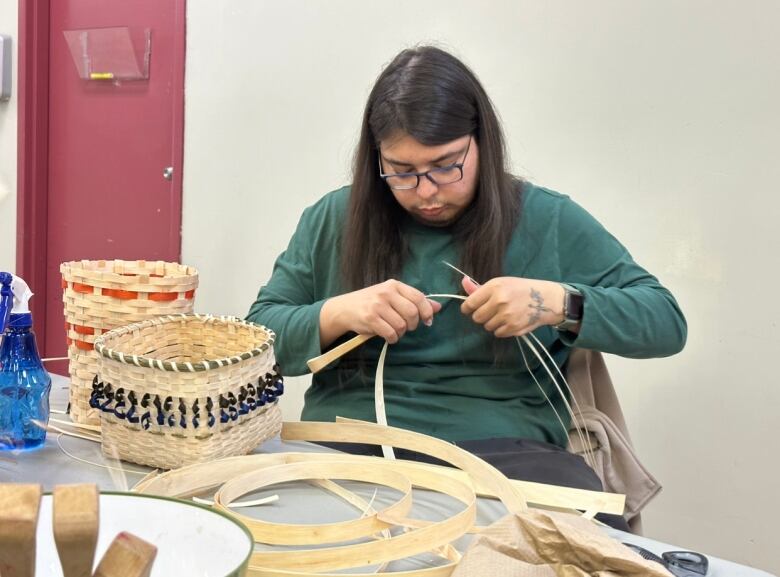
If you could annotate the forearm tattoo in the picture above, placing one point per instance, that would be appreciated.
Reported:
(537, 306)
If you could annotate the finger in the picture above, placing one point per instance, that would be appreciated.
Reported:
(486, 312)
(425, 308)
(509, 330)
(476, 300)
(494, 323)
(501, 333)
(469, 285)
(505, 324)
(387, 330)
(394, 308)
(428, 308)
(406, 310)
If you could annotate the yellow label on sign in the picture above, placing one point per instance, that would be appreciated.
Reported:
(101, 75)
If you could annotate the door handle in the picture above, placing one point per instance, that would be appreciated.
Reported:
(168, 173)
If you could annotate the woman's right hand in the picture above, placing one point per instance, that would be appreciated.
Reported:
(387, 310)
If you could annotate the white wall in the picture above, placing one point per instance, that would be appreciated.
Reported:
(8, 27)
(660, 117)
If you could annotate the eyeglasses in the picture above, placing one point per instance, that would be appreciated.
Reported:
(410, 180)
(678, 563)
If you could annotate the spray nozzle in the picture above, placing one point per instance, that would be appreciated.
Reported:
(22, 294)
(14, 294)
(6, 299)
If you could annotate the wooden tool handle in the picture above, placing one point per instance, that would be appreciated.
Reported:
(318, 363)
(127, 556)
(19, 507)
(75, 522)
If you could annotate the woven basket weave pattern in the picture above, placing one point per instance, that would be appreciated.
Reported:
(201, 387)
(102, 295)
(172, 452)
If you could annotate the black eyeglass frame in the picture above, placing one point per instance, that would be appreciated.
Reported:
(426, 174)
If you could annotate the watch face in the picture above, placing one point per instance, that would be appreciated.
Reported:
(574, 306)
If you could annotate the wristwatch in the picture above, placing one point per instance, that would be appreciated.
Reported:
(572, 308)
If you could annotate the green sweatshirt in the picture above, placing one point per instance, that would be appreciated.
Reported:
(452, 380)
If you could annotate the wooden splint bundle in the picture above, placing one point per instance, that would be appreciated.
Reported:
(336, 550)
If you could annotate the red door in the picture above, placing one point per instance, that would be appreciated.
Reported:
(110, 140)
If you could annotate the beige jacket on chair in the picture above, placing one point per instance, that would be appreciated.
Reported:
(616, 463)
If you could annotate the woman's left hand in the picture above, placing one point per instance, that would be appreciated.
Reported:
(513, 306)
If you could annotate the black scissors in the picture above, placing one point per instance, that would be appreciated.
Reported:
(678, 563)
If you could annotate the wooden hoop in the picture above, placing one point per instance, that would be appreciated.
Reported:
(288, 534)
(407, 544)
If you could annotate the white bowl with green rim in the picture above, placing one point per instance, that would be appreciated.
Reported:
(191, 539)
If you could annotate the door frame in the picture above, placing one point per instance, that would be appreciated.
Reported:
(33, 151)
(33, 145)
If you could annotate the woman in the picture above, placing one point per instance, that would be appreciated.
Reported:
(430, 185)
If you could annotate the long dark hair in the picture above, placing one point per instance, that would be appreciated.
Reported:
(433, 97)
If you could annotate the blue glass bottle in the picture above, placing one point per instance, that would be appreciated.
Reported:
(24, 387)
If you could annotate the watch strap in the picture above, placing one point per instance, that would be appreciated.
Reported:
(573, 301)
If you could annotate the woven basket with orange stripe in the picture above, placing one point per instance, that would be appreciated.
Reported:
(101, 295)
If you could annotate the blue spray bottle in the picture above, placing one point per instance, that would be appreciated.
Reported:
(24, 383)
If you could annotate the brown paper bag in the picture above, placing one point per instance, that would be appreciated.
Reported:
(550, 544)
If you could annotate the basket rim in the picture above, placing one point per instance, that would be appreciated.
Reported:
(78, 268)
(146, 362)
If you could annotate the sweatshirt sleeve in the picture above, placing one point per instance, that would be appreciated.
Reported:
(289, 305)
(627, 311)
